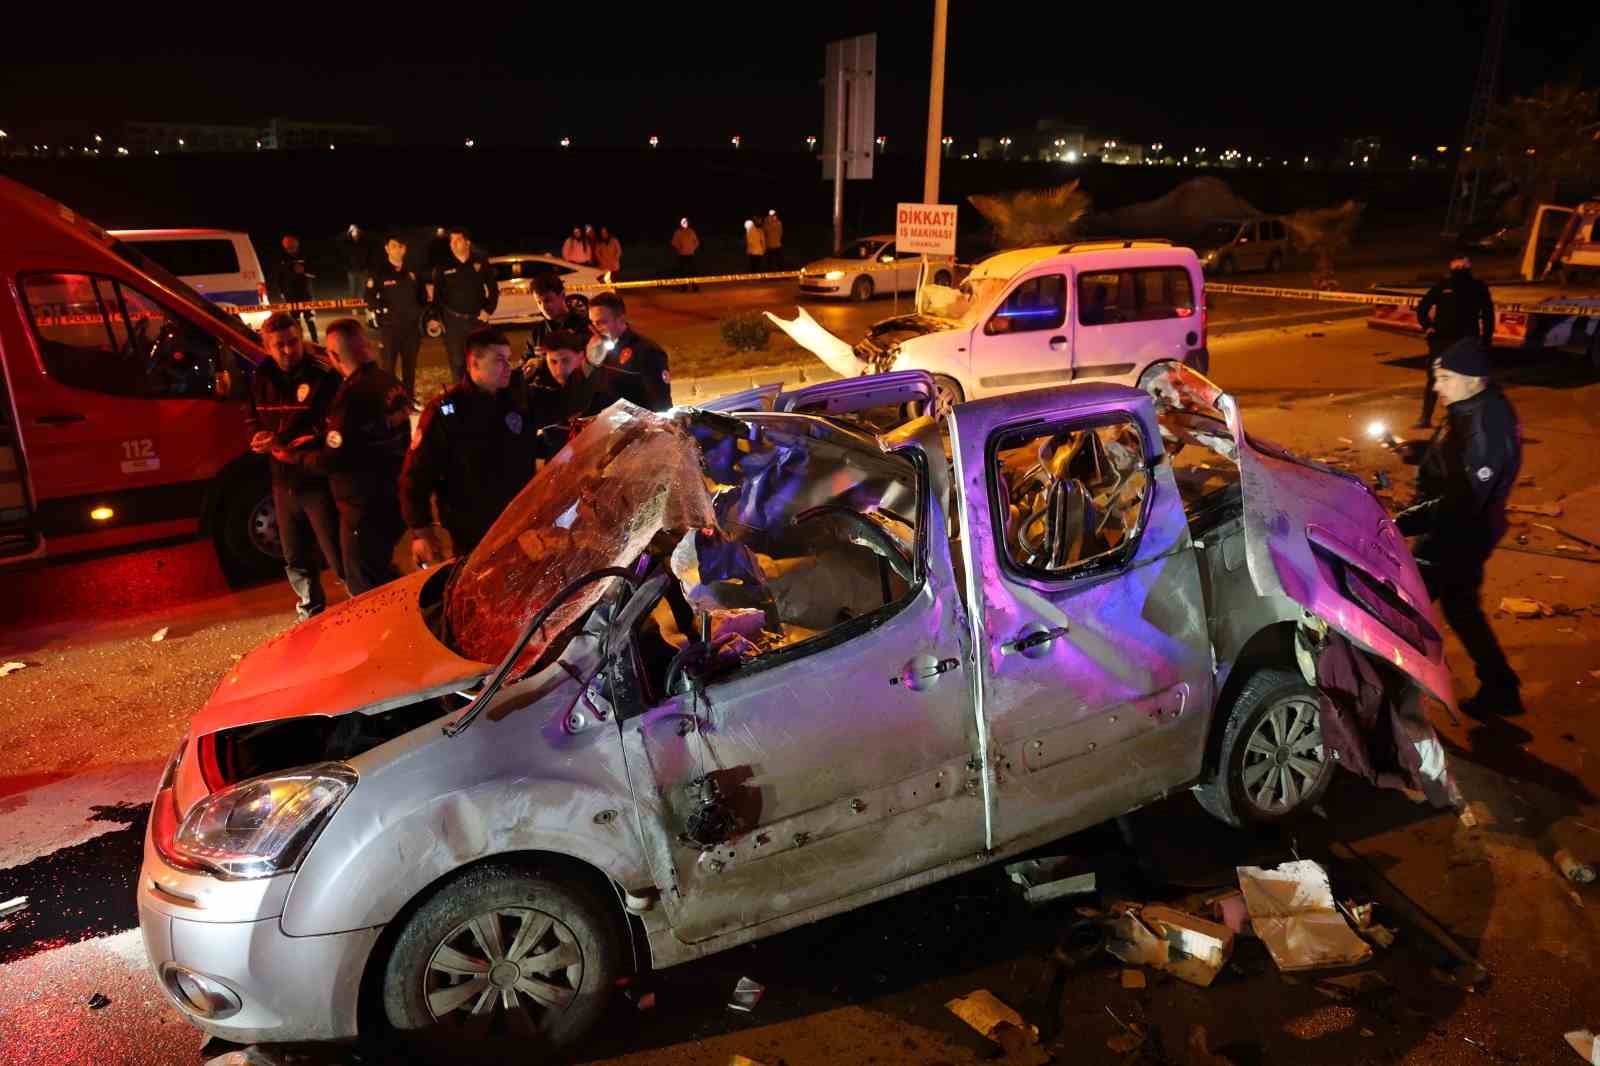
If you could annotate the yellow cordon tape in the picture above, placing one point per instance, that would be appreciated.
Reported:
(1394, 299)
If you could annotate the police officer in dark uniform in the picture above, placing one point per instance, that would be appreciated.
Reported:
(289, 399)
(1457, 306)
(636, 365)
(467, 294)
(559, 315)
(293, 282)
(396, 295)
(1465, 474)
(368, 428)
(474, 450)
(562, 387)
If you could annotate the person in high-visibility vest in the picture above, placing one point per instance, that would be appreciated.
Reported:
(755, 245)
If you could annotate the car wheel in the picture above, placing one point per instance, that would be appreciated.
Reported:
(578, 302)
(504, 953)
(861, 290)
(942, 278)
(246, 533)
(1275, 263)
(1272, 764)
(432, 325)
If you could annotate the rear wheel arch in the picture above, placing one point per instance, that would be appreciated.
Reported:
(1271, 647)
(237, 488)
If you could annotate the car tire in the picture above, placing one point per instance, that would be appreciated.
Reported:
(1275, 263)
(432, 325)
(580, 937)
(861, 289)
(1267, 769)
(942, 278)
(245, 532)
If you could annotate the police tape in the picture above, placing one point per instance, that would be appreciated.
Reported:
(1385, 299)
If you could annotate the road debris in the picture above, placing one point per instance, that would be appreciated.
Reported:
(159, 635)
(986, 1014)
(746, 994)
(12, 906)
(1586, 1045)
(1354, 986)
(98, 1000)
(12, 667)
(1163, 938)
(1292, 911)
(1040, 881)
(741, 1060)
(1132, 979)
(1133, 943)
(1548, 510)
(1524, 607)
(1573, 869)
(1229, 909)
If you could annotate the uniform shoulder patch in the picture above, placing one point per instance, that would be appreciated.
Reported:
(335, 438)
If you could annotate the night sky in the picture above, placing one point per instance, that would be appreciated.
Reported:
(695, 73)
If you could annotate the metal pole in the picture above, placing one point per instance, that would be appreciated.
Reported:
(930, 171)
(840, 138)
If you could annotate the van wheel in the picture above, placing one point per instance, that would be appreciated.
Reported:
(432, 325)
(505, 955)
(1275, 263)
(861, 291)
(1272, 765)
(246, 533)
(942, 278)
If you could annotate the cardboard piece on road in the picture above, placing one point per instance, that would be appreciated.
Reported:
(925, 229)
(12, 667)
(988, 1015)
(1586, 1045)
(1292, 911)
(1523, 607)
(1197, 950)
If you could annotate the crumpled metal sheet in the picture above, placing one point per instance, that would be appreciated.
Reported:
(630, 476)
(811, 335)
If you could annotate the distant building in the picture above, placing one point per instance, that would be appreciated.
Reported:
(1365, 151)
(288, 134)
(145, 138)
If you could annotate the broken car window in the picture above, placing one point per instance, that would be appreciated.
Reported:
(1069, 496)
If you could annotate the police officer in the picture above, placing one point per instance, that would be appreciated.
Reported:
(474, 450)
(1457, 306)
(396, 295)
(1465, 473)
(637, 366)
(289, 398)
(562, 385)
(368, 427)
(559, 315)
(293, 281)
(465, 289)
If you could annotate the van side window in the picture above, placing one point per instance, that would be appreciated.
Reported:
(97, 333)
(1069, 496)
(1142, 295)
(193, 257)
(1038, 303)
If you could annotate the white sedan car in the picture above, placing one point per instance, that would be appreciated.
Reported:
(861, 270)
(515, 274)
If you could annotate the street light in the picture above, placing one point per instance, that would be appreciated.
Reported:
(470, 142)
(811, 143)
(180, 142)
(654, 141)
(97, 138)
(883, 142)
(258, 144)
(1072, 157)
(566, 142)
(737, 140)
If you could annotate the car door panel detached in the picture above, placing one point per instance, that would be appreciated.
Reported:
(1095, 685)
(839, 770)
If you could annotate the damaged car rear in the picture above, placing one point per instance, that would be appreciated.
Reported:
(714, 675)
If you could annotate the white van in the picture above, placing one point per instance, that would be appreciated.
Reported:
(219, 264)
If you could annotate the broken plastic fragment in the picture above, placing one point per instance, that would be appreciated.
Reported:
(1292, 911)
(159, 635)
(987, 1014)
(12, 906)
(814, 338)
(746, 994)
(1586, 1045)
(12, 667)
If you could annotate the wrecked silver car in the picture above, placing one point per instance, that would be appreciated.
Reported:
(714, 675)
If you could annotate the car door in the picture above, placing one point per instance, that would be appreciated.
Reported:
(1089, 628)
(1026, 342)
(826, 770)
(1131, 318)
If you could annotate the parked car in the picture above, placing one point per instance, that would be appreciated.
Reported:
(866, 268)
(780, 668)
(220, 265)
(515, 274)
(1227, 246)
(1106, 310)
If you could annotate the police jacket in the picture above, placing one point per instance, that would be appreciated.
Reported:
(364, 446)
(473, 451)
(292, 279)
(464, 289)
(356, 253)
(571, 322)
(292, 406)
(395, 293)
(555, 404)
(1463, 480)
(636, 369)
(1458, 306)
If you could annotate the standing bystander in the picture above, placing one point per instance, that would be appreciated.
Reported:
(686, 242)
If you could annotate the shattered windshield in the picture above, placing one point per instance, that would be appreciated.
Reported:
(964, 305)
(776, 527)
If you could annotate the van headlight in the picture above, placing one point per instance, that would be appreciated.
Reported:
(263, 826)
(833, 275)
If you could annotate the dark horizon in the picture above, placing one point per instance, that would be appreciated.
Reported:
(695, 77)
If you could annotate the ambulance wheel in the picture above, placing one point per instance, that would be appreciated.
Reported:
(861, 291)
(245, 530)
(1272, 764)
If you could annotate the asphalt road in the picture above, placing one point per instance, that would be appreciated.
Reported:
(85, 724)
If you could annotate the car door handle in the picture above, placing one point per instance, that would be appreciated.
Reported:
(923, 668)
(1031, 640)
(61, 419)
(1057, 343)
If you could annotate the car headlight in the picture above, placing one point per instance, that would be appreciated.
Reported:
(263, 826)
(833, 275)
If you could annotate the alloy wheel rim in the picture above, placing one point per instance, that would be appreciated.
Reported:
(263, 528)
(511, 968)
(1284, 758)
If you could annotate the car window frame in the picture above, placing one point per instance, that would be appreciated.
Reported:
(1100, 568)
(1196, 294)
(1057, 271)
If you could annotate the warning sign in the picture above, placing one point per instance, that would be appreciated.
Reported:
(929, 229)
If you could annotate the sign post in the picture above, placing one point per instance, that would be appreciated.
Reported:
(849, 105)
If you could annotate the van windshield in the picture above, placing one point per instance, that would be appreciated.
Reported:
(179, 288)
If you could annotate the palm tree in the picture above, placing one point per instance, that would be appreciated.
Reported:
(1539, 140)
(1324, 232)
(1033, 216)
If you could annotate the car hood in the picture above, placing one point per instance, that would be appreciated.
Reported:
(369, 654)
